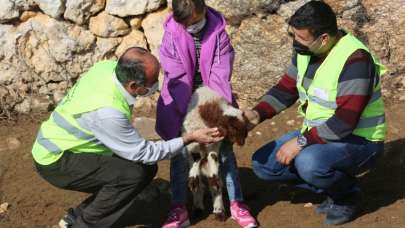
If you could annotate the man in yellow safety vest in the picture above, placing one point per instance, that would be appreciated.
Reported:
(337, 82)
(89, 145)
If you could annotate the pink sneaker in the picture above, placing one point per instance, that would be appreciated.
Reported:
(240, 213)
(178, 217)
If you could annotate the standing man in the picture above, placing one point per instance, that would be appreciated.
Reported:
(337, 82)
(89, 145)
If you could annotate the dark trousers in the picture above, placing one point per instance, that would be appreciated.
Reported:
(114, 182)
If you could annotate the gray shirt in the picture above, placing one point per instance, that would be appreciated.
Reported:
(113, 129)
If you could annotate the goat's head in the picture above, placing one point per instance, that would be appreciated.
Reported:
(229, 120)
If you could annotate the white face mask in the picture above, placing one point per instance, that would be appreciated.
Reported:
(197, 27)
(151, 90)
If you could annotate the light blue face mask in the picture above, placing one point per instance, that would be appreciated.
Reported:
(197, 27)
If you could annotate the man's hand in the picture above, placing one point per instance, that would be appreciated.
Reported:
(288, 152)
(253, 117)
(204, 135)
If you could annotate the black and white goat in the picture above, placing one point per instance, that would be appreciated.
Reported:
(208, 109)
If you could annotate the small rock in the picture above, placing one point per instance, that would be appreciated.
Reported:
(249, 135)
(53, 8)
(27, 15)
(258, 133)
(145, 104)
(13, 143)
(136, 22)
(290, 122)
(40, 103)
(128, 8)
(402, 98)
(288, 9)
(153, 29)
(8, 10)
(3, 207)
(106, 25)
(23, 107)
(135, 38)
(58, 96)
(308, 205)
(146, 127)
(272, 123)
(79, 11)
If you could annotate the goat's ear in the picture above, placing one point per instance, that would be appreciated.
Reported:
(211, 113)
(237, 131)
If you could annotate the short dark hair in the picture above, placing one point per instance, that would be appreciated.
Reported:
(131, 69)
(183, 9)
(316, 16)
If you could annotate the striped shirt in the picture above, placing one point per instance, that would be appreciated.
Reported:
(197, 77)
(355, 87)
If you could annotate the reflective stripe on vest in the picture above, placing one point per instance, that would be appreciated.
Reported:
(321, 102)
(46, 143)
(327, 104)
(62, 123)
(332, 105)
(363, 123)
(371, 121)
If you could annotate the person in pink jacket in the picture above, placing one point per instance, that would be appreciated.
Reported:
(196, 51)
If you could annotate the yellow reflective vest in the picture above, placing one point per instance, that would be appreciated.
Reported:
(95, 89)
(321, 94)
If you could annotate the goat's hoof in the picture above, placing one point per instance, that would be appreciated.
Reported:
(220, 216)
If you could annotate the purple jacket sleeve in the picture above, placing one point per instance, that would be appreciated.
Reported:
(175, 82)
(221, 70)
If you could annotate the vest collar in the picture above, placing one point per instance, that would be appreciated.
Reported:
(128, 97)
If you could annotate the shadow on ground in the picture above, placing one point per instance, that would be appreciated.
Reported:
(381, 187)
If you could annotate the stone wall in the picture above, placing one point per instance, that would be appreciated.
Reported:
(46, 44)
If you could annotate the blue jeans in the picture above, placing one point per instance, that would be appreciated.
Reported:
(179, 166)
(329, 168)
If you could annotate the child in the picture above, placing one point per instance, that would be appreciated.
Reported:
(195, 51)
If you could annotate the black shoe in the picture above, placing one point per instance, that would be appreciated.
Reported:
(324, 207)
(343, 211)
(68, 219)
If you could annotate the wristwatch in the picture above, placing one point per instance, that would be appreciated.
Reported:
(302, 141)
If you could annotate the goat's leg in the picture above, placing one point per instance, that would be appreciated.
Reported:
(198, 199)
(215, 185)
(194, 176)
(196, 186)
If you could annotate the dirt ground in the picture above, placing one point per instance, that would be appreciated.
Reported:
(35, 203)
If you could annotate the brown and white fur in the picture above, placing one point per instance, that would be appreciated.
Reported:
(208, 109)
